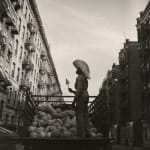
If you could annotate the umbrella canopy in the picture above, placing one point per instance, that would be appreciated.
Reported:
(83, 66)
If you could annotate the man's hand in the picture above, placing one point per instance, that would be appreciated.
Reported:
(70, 90)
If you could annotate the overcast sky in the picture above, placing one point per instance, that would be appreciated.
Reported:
(92, 30)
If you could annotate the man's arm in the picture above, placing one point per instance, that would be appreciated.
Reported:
(72, 91)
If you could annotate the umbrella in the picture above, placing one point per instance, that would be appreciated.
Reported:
(83, 66)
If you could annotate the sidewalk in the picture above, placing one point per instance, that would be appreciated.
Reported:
(123, 147)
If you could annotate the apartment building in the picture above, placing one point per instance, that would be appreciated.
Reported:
(25, 58)
(130, 91)
(143, 32)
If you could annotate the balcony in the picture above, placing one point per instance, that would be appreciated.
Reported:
(29, 45)
(27, 64)
(4, 78)
(15, 30)
(53, 81)
(145, 46)
(3, 38)
(123, 57)
(122, 62)
(49, 84)
(24, 84)
(41, 84)
(31, 27)
(2, 75)
(49, 74)
(17, 4)
(124, 90)
(10, 15)
(123, 75)
(43, 56)
(42, 70)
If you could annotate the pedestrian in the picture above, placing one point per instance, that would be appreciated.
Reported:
(81, 98)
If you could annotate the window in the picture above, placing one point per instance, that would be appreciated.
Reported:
(18, 74)
(22, 2)
(29, 18)
(9, 54)
(23, 32)
(12, 120)
(2, 49)
(30, 84)
(9, 96)
(34, 75)
(36, 58)
(33, 55)
(6, 119)
(38, 41)
(39, 63)
(26, 12)
(1, 108)
(22, 75)
(146, 133)
(25, 54)
(35, 37)
(15, 98)
(13, 70)
(27, 81)
(37, 77)
(21, 51)
(19, 24)
(37, 49)
(27, 35)
(16, 49)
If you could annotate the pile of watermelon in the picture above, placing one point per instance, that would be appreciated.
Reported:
(55, 123)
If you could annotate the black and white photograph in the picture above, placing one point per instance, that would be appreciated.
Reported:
(75, 74)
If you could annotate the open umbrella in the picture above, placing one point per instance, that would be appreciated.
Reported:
(83, 66)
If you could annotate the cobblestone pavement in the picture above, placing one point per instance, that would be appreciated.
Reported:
(122, 147)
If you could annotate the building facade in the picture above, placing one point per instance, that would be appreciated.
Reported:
(122, 97)
(130, 91)
(143, 32)
(25, 59)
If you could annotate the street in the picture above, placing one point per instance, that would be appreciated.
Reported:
(123, 147)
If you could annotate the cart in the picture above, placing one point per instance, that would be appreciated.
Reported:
(32, 101)
(67, 143)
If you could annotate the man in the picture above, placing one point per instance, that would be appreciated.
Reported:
(81, 100)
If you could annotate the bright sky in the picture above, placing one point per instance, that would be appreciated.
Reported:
(92, 30)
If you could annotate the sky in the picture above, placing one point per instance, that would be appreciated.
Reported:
(91, 30)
